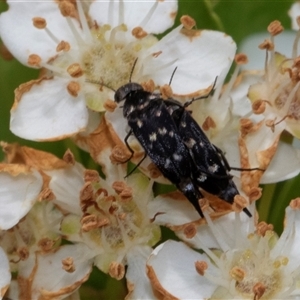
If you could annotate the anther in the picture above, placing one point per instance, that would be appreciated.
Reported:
(34, 60)
(187, 22)
(148, 86)
(190, 231)
(258, 290)
(263, 227)
(259, 107)
(208, 123)
(63, 46)
(126, 194)
(116, 270)
(119, 155)
(201, 267)
(39, 22)
(46, 245)
(68, 264)
(239, 203)
(266, 45)
(73, 88)
(69, 157)
(241, 59)
(23, 253)
(275, 28)
(153, 170)
(91, 222)
(119, 186)
(75, 70)
(139, 32)
(91, 176)
(237, 274)
(110, 105)
(67, 9)
(295, 203)
(166, 91)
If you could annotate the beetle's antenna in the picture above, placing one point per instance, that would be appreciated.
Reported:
(172, 76)
(134, 64)
(188, 103)
(99, 83)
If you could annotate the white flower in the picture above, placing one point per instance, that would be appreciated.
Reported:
(275, 110)
(244, 265)
(19, 189)
(5, 273)
(110, 217)
(53, 275)
(82, 53)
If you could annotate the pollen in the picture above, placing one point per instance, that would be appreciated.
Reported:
(75, 70)
(34, 60)
(73, 88)
(67, 8)
(63, 46)
(241, 59)
(201, 267)
(259, 107)
(110, 105)
(188, 22)
(68, 264)
(116, 270)
(208, 123)
(39, 22)
(275, 28)
(139, 32)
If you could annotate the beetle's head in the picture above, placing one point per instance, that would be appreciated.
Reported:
(125, 89)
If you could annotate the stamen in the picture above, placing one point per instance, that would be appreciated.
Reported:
(83, 22)
(290, 98)
(149, 15)
(120, 28)
(76, 34)
(41, 23)
(295, 45)
(230, 84)
(121, 12)
(216, 233)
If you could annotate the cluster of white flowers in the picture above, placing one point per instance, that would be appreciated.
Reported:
(58, 219)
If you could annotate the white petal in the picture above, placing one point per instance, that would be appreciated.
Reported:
(230, 232)
(199, 60)
(17, 195)
(22, 38)
(50, 278)
(137, 279)
(5, 273)
(175, 210)
(174, 266)
(256, 57)
(153, 16)
(294, 12)
(284, 165)
(241, 103)
(66, 185)
(47, 111)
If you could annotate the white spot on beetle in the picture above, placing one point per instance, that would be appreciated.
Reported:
(162, 131)
(139, 123)
(152, 137)
(177, 156)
